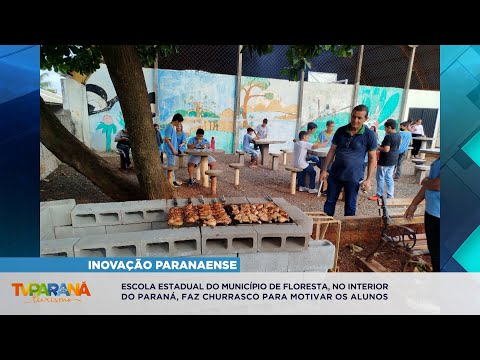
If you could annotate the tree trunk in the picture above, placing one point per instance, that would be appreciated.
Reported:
(68, 149)
(126, 73)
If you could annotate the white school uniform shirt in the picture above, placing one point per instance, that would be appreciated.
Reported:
(300, 149)
(261, 131)
(418, 129)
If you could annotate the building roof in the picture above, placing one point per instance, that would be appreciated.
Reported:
(51, 98)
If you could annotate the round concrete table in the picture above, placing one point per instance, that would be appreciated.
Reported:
(203, 163)
(424, 141)
(264, 145)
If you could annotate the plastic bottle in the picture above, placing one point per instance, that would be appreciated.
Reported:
(212, 144)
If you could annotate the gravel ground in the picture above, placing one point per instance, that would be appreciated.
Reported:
(66, 183)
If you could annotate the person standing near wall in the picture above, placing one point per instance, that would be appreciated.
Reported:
(181, 138)
(170, 144)
(406, 137)
(123, 146)
(430, 191)
(349, 145)
(417, 131)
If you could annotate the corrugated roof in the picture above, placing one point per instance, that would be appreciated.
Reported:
(51, 98)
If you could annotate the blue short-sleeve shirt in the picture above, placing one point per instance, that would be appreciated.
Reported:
(350, 152)
(432, 197)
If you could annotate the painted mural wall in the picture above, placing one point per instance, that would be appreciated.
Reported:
(273, 99)
(323, 102)
(205, 100)
(105, 116)
(383, 104)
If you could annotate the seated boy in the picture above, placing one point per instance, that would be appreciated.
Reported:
(198, 142)
(300, 149)
(247, 139)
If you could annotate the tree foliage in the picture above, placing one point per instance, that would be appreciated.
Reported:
(85, 59)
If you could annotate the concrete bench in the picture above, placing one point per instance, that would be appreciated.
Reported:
(293, 177)
(409, 153)
(419, 161)
(285, 152)
(275, 157)
(241, 156)
(170, 170)
(237, 167)
(421, 172)
(213, 177)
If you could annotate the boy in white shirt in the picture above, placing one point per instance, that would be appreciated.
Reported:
(300, 149)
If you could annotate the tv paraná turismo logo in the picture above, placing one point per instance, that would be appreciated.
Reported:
(51, 292)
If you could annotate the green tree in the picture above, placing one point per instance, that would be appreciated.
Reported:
(124, 63)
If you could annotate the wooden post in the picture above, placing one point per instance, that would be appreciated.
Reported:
(284, 158)
(180, 161)
(274, 162)
(237, 177)
(293, 182)
(238, 90)
(214, 185)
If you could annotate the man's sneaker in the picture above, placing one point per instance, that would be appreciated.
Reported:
(303, 188)
(190, 182)
(313, 191)
(175, 184)
(374, 197)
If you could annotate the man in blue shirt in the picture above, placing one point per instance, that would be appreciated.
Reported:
(406, 137)
(200, 143)
(430, 191)
(349, 145)
(170, 144)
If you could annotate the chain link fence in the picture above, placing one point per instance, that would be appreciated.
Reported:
(217, 59)
(383, 65)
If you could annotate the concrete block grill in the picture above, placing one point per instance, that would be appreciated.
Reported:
(97, 214)
(228, 239)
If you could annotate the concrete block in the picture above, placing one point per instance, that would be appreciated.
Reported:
(58, 248)
(236, 200)
(134, 212)
(60, 211)
(48, 236)
(91, 246)
(281, 237)
(299, 217)
(281, 202)
(220, 256)
(257, 200)
(182, 202)
(62, 232)
(46, 224)
(109, 245)
(228, 240)
(264, 262)
(160, 225)
(84, 215)
(319, 256)
(112, 229)
(171, 242)
(124, 244)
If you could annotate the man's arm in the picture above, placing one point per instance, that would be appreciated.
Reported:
(118, 137)
(328, 161)
(431, 184)
(413, 206)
